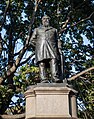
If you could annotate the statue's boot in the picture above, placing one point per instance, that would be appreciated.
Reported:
(56, 80)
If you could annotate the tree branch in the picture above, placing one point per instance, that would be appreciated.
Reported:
(26, 59)
(5, 12)
(83, 20)
(65, 23)
(17, 53)
(32, 21)
(1, 47)
(62, 30)
(81, 73)
(23, 50)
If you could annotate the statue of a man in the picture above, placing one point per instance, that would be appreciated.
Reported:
(44, 39)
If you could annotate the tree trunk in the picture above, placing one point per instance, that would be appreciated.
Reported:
(10, 58)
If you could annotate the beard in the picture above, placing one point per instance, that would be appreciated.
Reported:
(46, 24)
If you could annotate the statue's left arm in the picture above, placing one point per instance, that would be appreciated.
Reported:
(59, 42)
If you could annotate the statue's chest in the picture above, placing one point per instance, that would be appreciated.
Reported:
(46, 32)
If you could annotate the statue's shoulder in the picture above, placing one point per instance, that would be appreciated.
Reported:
(36, 30)
(39, 28)
(54, 29)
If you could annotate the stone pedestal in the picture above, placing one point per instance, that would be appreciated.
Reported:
(50, 101)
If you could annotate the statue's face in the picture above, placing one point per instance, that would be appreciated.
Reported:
(45, 22)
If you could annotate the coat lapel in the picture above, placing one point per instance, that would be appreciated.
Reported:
(46, 28)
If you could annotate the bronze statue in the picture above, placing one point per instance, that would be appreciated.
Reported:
(45, 41)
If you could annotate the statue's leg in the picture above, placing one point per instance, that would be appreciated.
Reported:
(42, 71)
(54, 70)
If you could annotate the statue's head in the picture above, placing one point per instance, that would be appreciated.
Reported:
(45, 20)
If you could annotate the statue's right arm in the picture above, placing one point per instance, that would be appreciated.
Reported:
(33, 38)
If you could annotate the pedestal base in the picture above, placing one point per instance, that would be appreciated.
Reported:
(50, 101)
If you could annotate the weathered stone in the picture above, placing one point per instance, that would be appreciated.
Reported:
(50, 101)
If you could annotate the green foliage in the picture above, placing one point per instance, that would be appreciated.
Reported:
(27, 75)
(85, 87)
(5, 92)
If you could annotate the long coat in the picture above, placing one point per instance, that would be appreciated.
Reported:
(45, 41)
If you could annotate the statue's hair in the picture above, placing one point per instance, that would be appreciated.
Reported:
(45, 16)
